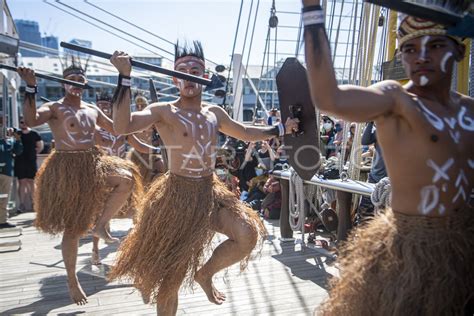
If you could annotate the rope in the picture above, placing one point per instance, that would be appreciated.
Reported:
(381, 197)
(337, 32)
(233, 52)
(296, 202)
(116, 29)
(261, 71)
(242, 62)
(103, 29)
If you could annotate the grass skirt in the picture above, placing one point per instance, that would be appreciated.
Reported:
(406, 265)
(173, 232)
(71, 189)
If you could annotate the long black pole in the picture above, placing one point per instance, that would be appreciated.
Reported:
(51, 78)
(140, 64)
(418, 10)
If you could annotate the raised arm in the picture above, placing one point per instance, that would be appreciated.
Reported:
(124, 121)
(351, 103)
(240, 131)
(31, 115)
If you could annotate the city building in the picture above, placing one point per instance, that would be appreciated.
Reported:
(50, 42)
(29, 32)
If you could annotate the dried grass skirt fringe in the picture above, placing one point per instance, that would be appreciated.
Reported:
(71, 189)
(174, 230)
(406, 265)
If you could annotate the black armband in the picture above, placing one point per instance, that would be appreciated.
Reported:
(124, 81)
(313, 15)
(123, 86)
(31, 89)
(312, 8)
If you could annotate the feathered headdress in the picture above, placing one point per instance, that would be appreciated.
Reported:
(72, 65)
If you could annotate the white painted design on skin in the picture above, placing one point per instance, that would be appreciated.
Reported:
(465, 122)
(424, 41)
(203, 149)
(423, 80)
(444, 60)
(461, 180)
(455, 135)
(432, 118)
(461, 177)
(187, 123)
(70, 89)
(389, 87)
(429, 199)
(470, 162)
(440, 172)
(444, 188)
(441, 209)
(72, 117)
(450, 121)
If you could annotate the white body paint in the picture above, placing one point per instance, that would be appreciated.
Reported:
(444, 60)
(430, 194)
(202, 132)
(464, 122)
(84, 135)
(423, 80)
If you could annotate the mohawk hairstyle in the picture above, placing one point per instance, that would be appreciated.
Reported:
(103, 96)
(186, 49)
(72, 65)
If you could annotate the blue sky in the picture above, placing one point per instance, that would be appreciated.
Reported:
(212, 21)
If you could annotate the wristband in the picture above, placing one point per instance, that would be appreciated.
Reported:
(312, 8)
(124, 81)
(313, 17)
(31, 89)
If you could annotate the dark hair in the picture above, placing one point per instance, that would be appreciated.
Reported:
(188, 49)
(103, 96)
(74, 66)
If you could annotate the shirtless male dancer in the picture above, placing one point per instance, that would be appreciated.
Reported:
(417, 258)
(70, 190)
(186, 206)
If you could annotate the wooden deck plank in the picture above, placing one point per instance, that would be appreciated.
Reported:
(281, 280)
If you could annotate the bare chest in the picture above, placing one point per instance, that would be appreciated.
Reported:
(74, 127)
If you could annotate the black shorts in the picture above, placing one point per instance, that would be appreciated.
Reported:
(25, 171)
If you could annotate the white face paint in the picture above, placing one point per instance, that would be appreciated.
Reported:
(444, 60)
(424, 80)
(424, 41)
(193, 66)
(72, 90)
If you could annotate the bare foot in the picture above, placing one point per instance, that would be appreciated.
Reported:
(207, 285)
(76, 293)
(95, 257)
(102, 233)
